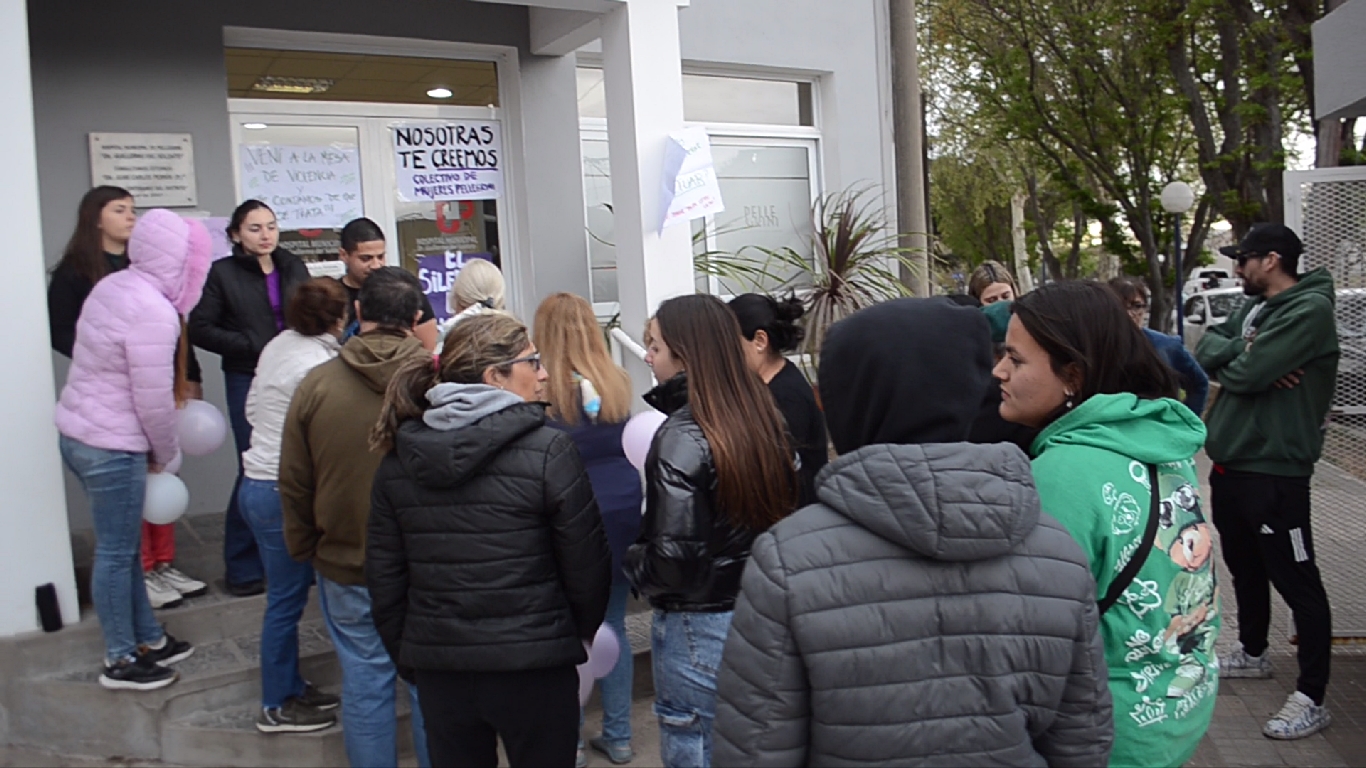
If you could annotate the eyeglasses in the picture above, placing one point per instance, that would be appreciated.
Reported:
(1138, 306)
(534, 359)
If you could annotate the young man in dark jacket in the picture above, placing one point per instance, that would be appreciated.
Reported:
(326, 469)
(1276, 362)
(362, 252)
(925, 609)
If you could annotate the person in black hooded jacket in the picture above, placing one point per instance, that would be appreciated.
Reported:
(486, 559)
(241, 311)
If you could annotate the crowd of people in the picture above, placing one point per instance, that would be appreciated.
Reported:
(984, 542)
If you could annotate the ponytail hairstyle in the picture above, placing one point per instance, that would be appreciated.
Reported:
(777, 319)
(756, 483)
(989, 273)
(84, 254)
(570, 342)
(471, 348)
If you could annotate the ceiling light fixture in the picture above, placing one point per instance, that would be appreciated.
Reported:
(254, 126)
(440, 92)
(294, 85)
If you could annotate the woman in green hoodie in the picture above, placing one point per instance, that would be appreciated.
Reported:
(1114, 464)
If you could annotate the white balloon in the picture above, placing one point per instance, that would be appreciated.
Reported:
(173, 466)
(202, 428)
(638, 434)
(166, 500)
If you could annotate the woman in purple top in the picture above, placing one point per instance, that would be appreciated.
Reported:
(241, 311)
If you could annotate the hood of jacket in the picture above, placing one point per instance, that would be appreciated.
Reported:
(905, 371)
(669, 396)
(172, 253)
(1314, 282)
(378, 355)
(953, 501)
(1149, 431)
(447, 456)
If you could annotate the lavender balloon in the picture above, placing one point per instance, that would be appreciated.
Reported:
(202, 428)
(603, 655)
(638, 434)
(585, 684)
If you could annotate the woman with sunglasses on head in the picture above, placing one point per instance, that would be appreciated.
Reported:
(486, 561)
(992, 282)
(1192, 378)
(1115, 465)
(718, 474)
(99, 247)
(590, 398)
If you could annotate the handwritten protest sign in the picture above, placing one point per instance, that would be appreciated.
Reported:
(307, 187)
(690, 189)
(438, 271)
(449, 160)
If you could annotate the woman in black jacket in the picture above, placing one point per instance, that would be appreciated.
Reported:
(486, 560)
(241, 311)
(718, 474)
(771, 332)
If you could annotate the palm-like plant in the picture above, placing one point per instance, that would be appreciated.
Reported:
(854, 263)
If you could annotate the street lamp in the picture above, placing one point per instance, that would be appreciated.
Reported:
(1177, 198)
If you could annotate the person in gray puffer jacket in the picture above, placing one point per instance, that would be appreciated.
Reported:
(925, 611)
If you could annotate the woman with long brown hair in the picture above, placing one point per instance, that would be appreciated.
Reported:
(485, 557)
(590, 398)
(719, 473)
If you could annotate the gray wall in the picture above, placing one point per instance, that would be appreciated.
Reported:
(157, 66)
(1340, 62)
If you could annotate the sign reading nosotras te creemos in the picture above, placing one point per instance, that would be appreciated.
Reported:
(449, 160)
(157, 168)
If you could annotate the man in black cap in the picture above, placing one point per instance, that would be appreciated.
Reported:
(1276, 360)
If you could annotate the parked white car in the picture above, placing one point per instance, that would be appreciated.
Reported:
(1208, 279)
(1207, 309)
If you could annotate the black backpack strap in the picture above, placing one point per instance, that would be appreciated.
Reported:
(1126, 576)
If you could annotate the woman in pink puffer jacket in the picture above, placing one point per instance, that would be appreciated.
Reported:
(117, 419)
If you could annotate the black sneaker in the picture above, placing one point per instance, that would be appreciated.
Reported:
(137, 674)
(293, 717)
(317, 699)
(171, 651)
(246, 589)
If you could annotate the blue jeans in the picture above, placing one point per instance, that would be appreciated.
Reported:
(116, 482)
(616, 687)
(241, 561)
(287, 582)
(686, 650)
(369, 717)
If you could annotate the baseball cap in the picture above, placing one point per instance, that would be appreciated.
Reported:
(1264, 238)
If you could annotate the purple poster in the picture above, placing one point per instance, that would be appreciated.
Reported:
(437, 272)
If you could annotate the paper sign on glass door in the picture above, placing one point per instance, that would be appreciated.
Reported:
(449, 160)
(307, 187)
(690, 189)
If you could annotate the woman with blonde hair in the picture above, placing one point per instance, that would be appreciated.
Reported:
(590, 398)
(992, 282)
(485, 557)
(477, 288)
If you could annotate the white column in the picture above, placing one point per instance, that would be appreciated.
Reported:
(643, 82)
(35, 544)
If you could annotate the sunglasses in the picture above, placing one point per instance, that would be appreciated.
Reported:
(1138, 306)
(535, 361)
(1243, 258)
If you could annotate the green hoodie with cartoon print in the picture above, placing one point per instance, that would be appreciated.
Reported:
(1092, 474)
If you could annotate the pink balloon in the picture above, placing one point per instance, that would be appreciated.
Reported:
(606, 650)
(202, 428)
(585, 685)
(638, 434)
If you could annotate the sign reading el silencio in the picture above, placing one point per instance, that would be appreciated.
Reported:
(449, 160)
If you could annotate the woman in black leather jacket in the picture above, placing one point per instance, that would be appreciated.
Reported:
(486, 560)
(241, 311)
(719, 473)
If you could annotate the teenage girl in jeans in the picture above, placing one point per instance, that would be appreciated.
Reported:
(719, 473)
(117, 419)
(590, 398)
(242, 310)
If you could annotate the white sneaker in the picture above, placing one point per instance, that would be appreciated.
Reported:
(1240, 664)
(1300, 717)
(181, 583)
(160, 592)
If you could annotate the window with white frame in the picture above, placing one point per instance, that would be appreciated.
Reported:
(766, 149)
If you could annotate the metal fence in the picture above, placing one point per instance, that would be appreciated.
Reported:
(1328, 208)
